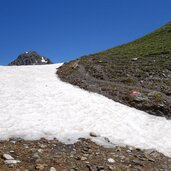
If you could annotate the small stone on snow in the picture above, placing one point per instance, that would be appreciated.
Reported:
(93, 134)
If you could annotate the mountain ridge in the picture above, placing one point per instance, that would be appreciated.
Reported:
(30, 58)
(142, 66)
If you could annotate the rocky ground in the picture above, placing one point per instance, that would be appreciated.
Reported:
(125, 81)
(85, 155)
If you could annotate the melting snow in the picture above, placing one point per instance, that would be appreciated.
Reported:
(34, 103)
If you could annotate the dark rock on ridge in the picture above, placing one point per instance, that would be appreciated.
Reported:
(30, 58)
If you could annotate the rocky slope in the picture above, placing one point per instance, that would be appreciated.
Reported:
(137, 74)
(30, 58)
(20, 155)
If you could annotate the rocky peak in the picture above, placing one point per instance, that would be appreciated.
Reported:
(30, 58)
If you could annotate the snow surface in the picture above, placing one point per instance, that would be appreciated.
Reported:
(34, 103)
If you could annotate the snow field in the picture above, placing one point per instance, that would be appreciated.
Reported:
(35, 103)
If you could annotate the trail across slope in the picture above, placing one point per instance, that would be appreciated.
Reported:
(34, 103)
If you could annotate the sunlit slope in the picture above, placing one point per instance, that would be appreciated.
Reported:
(143, 65)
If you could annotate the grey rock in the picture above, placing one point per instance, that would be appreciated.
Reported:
(152, 152)
(36, 156)
(42, 146)
(12, 161)
(52, 169)
(111, 167)
(83, 158)
(73, 169)
(91, 167)
(40, 150)
(134, 59)
(7, 157)
(110, 160)
(93, 134)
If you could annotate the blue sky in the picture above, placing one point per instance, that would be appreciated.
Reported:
(66, 29)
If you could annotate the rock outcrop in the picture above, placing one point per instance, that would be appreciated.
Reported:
(30, 58)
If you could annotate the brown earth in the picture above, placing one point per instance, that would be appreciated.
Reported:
(84, 155)
(96, 77)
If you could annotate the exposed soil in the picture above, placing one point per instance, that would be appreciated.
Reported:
(84, 155)
(117, 79)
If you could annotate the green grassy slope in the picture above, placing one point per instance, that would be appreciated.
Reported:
(143, 65)
(157, 42)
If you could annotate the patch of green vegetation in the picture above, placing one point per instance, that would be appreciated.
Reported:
(168, 82)
(128, 80)
(157, 97)
(133, 62)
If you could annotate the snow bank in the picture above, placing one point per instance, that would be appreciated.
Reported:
(34, 103)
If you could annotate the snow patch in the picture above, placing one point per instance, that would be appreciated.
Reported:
(43, 60)
(35, 103)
